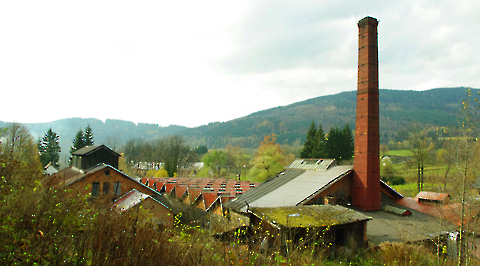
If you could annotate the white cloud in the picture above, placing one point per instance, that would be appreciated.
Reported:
(191, 63)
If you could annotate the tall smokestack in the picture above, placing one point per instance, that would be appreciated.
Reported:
(366, 165)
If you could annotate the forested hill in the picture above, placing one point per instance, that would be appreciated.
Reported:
(436, 107)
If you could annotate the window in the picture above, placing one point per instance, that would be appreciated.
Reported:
(95, 188)
(117, 188)
(106, 188)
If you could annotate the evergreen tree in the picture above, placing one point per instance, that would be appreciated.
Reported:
(88, 136)
(78, 143)
(333, 143)
(310, 144)
(347, 143)
(340, 143)
(49, 149)
(320, 142)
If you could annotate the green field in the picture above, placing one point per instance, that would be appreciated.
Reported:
(410, 189)
(404, 153)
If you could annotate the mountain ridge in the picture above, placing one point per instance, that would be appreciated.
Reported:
(436, 107)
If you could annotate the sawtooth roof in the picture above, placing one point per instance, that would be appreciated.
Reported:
(312, 164)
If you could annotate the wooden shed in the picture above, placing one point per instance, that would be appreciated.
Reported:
(327, 225)
(90, 156)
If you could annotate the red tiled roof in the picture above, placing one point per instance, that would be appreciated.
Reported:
(169, 187)
(209, 198)
(159, 185)
(180, 190)
(449, 212)
(144, 180)
(193, 194)
(432, 196)
(151, 182)
(225, 199)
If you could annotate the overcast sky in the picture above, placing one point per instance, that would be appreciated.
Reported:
(194, 62)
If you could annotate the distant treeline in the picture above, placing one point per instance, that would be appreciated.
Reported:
(435, 108)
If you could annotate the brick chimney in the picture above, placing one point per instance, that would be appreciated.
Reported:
(366, 165)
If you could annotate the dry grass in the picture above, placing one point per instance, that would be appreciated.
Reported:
(53, 226)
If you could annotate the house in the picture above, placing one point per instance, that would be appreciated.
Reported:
(135, 200)
(310, 225)
(90, 156)
(102, 183)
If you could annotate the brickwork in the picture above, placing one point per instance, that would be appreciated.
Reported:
(366, 174)
(110, 176)
(159, 212)
(341, 191)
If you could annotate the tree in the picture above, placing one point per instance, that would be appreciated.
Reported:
(88, 136)
(133, 148)
(49, 149)
(175, 154)
(78, 143)
(214, 160)
(320, 144)
(201, 150)
(310, 144)
(113, 141)
(268, 160)
(314, 146)
(347, 143)
(333, 145)
(18, 152)
(421, 148)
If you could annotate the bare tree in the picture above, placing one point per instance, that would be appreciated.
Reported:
(174, 153)
(113, 141)
(421, 147)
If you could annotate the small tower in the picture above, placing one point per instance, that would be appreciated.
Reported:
(366, 165)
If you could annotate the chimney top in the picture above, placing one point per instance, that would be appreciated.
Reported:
(368, 21)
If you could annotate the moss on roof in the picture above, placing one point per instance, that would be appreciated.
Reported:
(309, 216)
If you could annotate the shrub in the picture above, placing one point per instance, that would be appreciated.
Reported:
(397, 180)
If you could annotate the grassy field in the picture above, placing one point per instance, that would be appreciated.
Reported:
(404, 153)
(410, 189)
(433, 174)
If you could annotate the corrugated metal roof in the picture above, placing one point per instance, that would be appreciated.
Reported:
(292, 188)
(309, 215)
(89, 149)
(261, 190)
(426, 195)
(66, 176)
(312, 164)
(396, 210)
(129, 200)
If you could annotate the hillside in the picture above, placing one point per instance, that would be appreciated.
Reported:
(437, 107)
